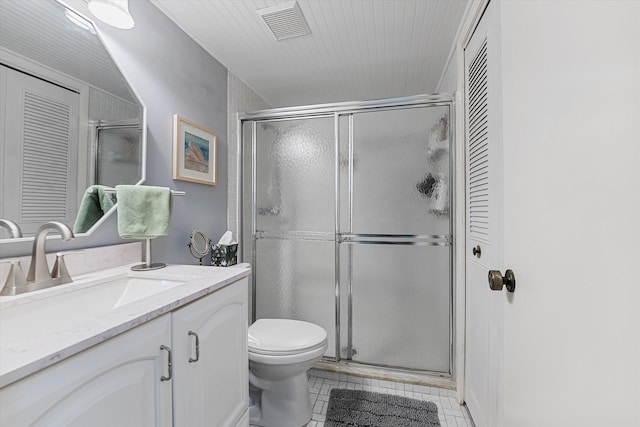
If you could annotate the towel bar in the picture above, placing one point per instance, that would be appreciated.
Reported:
(113, 190)
(148, 265)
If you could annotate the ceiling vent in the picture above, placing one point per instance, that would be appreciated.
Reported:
(285, 20)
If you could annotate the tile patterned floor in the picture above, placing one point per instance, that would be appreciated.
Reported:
(321, 382)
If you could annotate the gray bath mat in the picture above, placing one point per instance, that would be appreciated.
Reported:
(358, 408)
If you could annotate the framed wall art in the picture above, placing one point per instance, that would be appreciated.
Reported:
(194, 152)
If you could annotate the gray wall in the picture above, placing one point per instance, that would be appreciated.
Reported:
(171, 74)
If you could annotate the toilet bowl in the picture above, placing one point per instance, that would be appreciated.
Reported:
(280, 353)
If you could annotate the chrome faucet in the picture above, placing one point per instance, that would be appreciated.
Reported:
(13, 228)
(39, 275)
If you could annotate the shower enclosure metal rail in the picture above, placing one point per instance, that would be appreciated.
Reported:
(347, 221)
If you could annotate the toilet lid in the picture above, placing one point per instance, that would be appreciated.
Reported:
(284, 336)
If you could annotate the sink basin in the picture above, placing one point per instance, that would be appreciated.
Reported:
(61, 308)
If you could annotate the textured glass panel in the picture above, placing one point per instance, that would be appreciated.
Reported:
(346, 255)
(401, 305)
(118, 157)
(295, 279)
(246, 248)
(346, 171)
(296, 175)
(401, 171)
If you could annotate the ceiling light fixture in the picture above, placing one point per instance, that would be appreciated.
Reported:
(112, 12)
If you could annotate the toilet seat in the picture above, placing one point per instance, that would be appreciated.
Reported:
(288, 359)
(284, 337)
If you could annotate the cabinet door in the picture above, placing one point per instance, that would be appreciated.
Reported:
(214, 390)
(116, 383)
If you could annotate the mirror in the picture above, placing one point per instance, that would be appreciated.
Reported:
(68, 116)
(199, 244)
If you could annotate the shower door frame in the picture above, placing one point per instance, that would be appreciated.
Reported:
(348, 109)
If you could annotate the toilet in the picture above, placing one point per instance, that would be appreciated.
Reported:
(280, 353)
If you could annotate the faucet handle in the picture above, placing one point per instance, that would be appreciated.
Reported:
(15, 278)
(14, 229)
(60, 267)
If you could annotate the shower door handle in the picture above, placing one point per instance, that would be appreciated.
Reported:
(497, 280)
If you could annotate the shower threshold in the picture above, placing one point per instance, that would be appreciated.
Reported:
(427, 378)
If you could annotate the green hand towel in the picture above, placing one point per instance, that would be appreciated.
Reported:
(144, 212)
(95, 203)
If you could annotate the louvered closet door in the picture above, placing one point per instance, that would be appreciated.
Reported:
(39, 151)
(484, 311)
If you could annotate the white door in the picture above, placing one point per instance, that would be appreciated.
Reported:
(563, 349)
(484, 314)
(570, 104)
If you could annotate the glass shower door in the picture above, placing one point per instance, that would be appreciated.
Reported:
(294, 221)
(395, 228)
(357, 241)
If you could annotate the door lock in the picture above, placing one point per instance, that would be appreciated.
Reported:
(477, 251)
(497, 280)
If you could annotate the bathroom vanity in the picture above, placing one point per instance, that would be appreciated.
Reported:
(116, 347)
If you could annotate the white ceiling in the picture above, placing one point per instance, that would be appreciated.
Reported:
(357, 49)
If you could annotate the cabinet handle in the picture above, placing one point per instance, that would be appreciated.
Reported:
(197, 347)
(169, 364)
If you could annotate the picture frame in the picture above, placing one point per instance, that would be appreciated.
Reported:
(194, 152)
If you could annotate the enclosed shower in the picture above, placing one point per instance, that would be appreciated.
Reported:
(347, 221)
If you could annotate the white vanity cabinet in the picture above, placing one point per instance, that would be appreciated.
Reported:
(115, 383)
(210, 364)
(127, 380)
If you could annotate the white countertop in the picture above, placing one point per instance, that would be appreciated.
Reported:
(20, 357)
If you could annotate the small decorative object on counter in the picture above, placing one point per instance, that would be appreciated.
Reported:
(199, 244)
(224, 255)
(225, 252)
